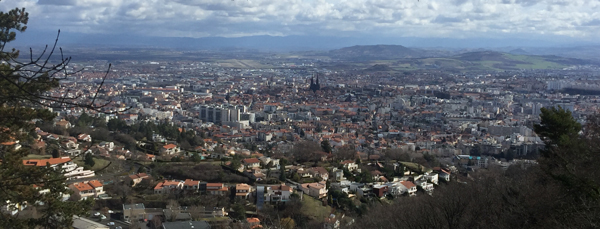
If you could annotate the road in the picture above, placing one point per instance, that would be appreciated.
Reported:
(112, 218)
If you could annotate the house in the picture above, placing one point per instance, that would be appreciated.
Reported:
(110, 146)
(84, 138)
(190, 185)
(349, 165)
(170, 149)
(266, 160)
(427, 187)
(319, 172)
(137, 178)
(376, 175)
(304, 173)
(150, 157)
(442, 173)
(15, 144)
(316, 190)
(396, 189)
(70, 170)
(250, 163)
(87, 189)
(216, 189)
(69, 144)
(133, 212)
(339, 175)
(380, 190)
(63, 124)
(433, 178)
(168, 186)
(253, 223)
(242, 190)
(278, 193)
(411, 188)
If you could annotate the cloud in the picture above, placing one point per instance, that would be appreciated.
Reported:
(426, 18)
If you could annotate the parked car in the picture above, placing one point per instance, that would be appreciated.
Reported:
(110, 224)
(111, 211)
(102, 217)
(97, 214)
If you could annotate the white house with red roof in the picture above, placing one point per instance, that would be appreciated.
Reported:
(84, 138)
(70, 169)
(86, 189)
(278, 193)
(250, 163)
(170, 149)
(190, 185)
(168, 186)
(409, 187)
(243, 190)
(137, 178)
(216, 189)
(349, 165)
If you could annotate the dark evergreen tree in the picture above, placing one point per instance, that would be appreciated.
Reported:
(22, 90)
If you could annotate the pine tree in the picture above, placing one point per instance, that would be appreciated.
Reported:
(22, 86)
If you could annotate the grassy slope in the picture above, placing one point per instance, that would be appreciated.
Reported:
(501, 62)
(313, 208)
(100, 163)
(536, 62)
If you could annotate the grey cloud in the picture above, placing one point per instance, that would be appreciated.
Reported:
(57, 2)
(197, 18)
(444, 19)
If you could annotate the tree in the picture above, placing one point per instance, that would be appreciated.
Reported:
(306, 151)
(142, 169)
(282, 175)
(287, 223)
(568, 156)
(239, 212)
(326, 146)
(23, 87)
(89, 160)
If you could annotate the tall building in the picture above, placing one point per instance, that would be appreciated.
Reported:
(226, 114)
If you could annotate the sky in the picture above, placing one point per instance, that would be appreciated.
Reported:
(547, 21)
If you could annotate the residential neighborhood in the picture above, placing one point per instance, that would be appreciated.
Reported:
(253, 142)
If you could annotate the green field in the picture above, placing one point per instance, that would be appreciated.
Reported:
(314, 208)
(35, 156)
(99, 163)
(535, 62)
(235, 63)
(412, 166)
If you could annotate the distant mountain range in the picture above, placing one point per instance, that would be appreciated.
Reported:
(375, 52)
(399, 58)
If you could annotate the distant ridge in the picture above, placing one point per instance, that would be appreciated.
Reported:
(519, 51)
(375, 52)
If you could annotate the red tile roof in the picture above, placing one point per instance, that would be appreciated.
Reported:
(43, 162)
(82, 186)
(95, 183)
(251, 161)
(169, 146)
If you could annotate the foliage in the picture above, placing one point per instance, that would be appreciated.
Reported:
(89, 160)
(288, 223)
(22, 89)
(239, 212)
(326, 146)
(561, 192)
(306, 151)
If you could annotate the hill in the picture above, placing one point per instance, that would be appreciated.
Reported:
(375, 52)
(400, 58)
(519, 51)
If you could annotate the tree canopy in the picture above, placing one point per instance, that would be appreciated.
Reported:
(23, 87)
